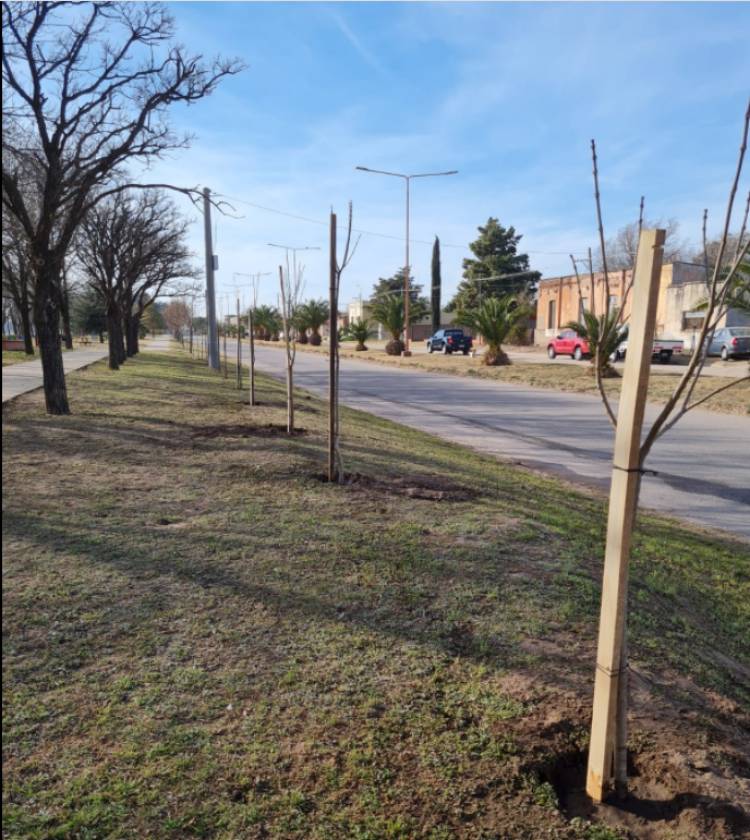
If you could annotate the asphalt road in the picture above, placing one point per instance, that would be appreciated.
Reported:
(703, 463)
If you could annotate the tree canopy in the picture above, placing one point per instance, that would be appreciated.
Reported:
(419, 305)
(496, 270)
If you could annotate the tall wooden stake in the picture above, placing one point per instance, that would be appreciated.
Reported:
(239, 348)
(333, 304)
(609, 707)
(224, 333)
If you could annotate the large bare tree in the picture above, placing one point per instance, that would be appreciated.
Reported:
(129, 249)
(86, 91)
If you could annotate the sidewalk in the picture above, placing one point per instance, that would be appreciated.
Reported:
(27, 376)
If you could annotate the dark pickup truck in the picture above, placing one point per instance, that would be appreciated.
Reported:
(449, 341)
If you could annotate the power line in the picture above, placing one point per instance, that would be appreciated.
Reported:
(361, 231)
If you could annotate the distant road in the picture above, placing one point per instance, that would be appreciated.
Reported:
(703, 463)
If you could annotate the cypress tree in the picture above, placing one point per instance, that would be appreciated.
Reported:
(436, 283)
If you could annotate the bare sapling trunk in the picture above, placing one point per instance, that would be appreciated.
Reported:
(335, 461)
(251, 332)
(291, 285)
(239, 348)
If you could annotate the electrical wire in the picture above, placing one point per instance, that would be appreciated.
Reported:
(360, 231)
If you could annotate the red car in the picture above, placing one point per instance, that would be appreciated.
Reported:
(568, 343)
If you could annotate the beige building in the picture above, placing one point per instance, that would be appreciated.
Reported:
(682, 287)
(420, 331)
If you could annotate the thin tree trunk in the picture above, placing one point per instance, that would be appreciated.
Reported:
(251, 330)
(28, 343)
(47, 318)
(332, 339)
(132, 326)
(289, 399)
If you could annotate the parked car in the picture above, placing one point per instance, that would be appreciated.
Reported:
(568, 343)
(662, 351)
(730, 343)
(449, 341)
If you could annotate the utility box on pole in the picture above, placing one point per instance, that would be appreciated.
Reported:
(211, 264)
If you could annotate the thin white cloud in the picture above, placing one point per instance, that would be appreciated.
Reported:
(354, 40)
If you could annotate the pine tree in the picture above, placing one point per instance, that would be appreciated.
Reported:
(496, 252)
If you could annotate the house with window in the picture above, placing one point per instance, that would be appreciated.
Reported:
(682, 287)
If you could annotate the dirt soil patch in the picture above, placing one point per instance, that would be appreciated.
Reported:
(271, 430)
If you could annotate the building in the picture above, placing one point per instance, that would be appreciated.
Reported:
(681, 289)
(420, 330)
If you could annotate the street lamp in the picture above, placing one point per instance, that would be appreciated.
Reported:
(289, 248)
(407, 179)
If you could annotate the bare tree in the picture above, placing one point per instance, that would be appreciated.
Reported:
(622, 248)
(292, 286)
(17, 282)
(177, 317)
(86, 91)
(129, 249)
(721, 281)
(335, 463)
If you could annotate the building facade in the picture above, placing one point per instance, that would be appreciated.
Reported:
(682, 287)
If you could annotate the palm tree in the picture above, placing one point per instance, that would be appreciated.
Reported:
(495, 319)
(603, 335)
(301, 324)
(267, 322)
(359, 331)
(316, 313)
(388, 310)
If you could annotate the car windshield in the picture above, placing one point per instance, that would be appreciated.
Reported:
(740, 332)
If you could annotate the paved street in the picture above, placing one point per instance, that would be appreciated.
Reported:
(703, 463)
(27, 376)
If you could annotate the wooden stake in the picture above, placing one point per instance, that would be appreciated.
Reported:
(332, 338)
(224, 331)
(623, 502)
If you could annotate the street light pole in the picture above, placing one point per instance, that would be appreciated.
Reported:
(407, 179)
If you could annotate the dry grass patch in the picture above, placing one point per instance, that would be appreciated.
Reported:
(202, 639)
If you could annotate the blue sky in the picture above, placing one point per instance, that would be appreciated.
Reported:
(508, 94)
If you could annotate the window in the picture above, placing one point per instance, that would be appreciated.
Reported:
(552, 315)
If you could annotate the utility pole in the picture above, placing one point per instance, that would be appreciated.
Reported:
(213, 338)
(407, 294)
(607, 766)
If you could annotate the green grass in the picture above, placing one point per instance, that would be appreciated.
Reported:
(202, 639)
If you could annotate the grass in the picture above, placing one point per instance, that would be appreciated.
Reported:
(203, 639)
(560, 377)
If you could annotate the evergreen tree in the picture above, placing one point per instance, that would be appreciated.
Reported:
(419, 306)
(496, 252)
(436, 284)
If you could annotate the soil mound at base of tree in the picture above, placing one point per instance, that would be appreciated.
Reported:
(242, 430)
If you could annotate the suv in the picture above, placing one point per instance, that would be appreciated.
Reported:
(449, 341)
(568, 343)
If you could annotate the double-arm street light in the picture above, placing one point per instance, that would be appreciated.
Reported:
(289, 248)
(407, 180)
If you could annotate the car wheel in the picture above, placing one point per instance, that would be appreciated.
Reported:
(551, 352)
(578, 354)
(465, 352)
(445, 350)
(665, 357)
(430, 348)
(724, 354)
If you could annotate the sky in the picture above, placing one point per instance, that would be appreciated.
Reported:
(509, 95)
